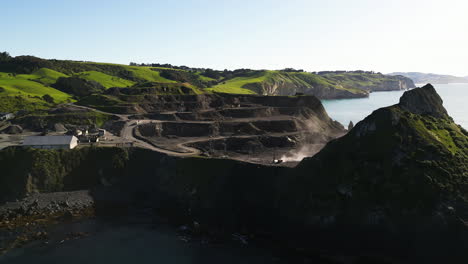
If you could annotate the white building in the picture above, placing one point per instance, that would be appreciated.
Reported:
(51, 142)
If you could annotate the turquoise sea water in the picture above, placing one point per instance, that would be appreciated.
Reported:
(455, 97)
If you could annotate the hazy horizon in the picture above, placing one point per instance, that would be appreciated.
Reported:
(397, 36)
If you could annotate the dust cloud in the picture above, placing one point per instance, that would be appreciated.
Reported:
(304, 152)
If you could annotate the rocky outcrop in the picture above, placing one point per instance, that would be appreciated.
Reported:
(402, 171)
(424, 101)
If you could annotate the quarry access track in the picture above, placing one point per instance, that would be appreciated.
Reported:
(127, 133)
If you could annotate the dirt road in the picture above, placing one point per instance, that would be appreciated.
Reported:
(128, 132)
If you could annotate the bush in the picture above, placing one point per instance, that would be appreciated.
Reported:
(49, 99)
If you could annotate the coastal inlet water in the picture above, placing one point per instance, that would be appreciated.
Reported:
(126, 243)
(455, 97)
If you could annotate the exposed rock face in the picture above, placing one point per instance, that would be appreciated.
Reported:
(424, 101)
(350, 125)
(58, 127)
(238, 125)
(155, 103)
(78, 86)
(394, 84)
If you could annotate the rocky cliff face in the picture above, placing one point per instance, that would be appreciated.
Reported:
(403, 171)
(393, 83)
(424, 101)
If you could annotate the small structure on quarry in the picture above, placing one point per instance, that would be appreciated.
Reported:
(51, 142)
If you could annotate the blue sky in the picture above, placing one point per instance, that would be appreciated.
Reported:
(386, 36)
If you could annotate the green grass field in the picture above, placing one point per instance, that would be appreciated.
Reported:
(147, 74)
(236, 85)
(241, 85)
(16, 86)
(107, 81)
(143, 73)
(24, 91)
(43, 75)
(204, 78)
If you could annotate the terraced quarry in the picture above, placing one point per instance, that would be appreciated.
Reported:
(257, 129)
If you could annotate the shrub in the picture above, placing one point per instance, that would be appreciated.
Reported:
(49, 99)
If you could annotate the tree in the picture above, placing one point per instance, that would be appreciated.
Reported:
(49, 99)
(4, 56)
(212, 74)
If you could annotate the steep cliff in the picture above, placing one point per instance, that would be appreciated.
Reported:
(402, 172)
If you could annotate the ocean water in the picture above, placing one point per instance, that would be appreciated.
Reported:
(125, 243)
(455, 97)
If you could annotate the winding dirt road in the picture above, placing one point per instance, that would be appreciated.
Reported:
(128, 134)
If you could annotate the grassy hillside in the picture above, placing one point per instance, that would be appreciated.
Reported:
(30, 78)
(25, 92)
(136, 74)
(30, 64)
(237, 85)
(368, 81)
(278, 82)
(18, 86)
(146, 74)
(107, 81)
(43, 75)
